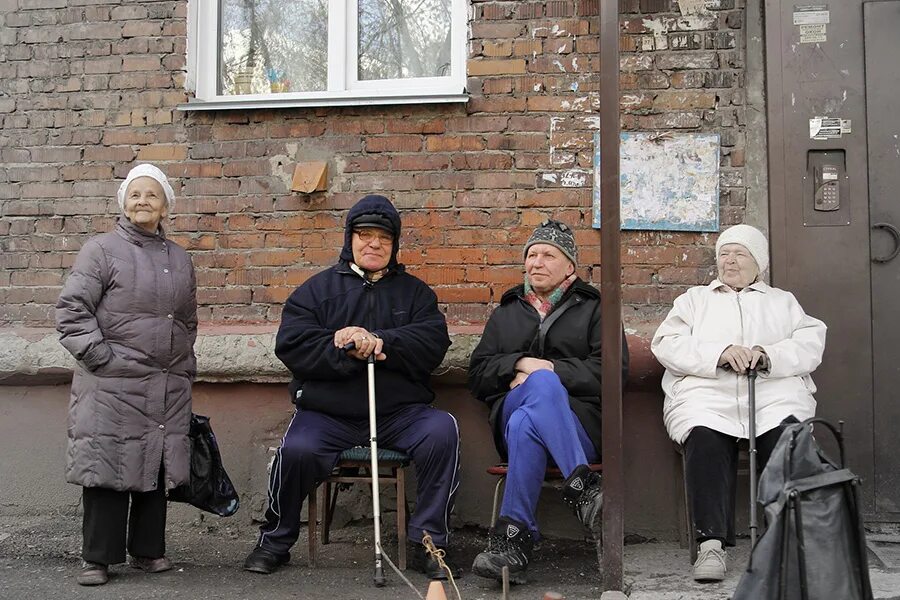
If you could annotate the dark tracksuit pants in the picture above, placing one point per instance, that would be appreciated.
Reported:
(314, 441)
(711, 461)
(108, 527)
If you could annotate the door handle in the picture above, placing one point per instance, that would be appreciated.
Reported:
(895, 233)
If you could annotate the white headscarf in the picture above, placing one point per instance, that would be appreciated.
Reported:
(153, 172)
(750, 238)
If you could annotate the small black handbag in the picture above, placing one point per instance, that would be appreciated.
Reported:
(209, 488)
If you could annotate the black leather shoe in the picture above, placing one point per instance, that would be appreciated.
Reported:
(428, 564)
(265, 561)
(92, 574)
(151, 565)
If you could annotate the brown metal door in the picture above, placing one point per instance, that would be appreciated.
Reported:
(820, 251)
(882, 49)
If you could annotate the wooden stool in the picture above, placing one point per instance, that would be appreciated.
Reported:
(354, 466)
(552, 474)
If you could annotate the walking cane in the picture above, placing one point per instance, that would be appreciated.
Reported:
(751, 384)
(762, 363)
(373, 465)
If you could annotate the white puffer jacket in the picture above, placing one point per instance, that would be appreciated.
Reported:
(704, 321)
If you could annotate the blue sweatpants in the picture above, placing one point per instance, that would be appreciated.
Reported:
(539, 424)
(314, 441)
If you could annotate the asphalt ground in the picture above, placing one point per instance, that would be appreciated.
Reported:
(39, 559)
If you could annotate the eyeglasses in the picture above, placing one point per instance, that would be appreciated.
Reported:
(556, 225)
(369, 235)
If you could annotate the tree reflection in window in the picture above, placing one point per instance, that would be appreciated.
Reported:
(401, 39)
(273, 46)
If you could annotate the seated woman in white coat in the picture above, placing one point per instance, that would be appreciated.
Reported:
(708, 341)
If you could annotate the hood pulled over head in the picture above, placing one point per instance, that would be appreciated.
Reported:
(372, 211)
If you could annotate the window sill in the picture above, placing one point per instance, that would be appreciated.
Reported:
(301, 103)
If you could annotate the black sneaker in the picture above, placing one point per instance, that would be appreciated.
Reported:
(265, 561)
(423, 562)
(509, 545)
(584, 495)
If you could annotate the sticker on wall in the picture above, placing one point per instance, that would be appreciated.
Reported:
(811, 14)
(813, 34)
(811, 21)
(667, 181)
(828, 128)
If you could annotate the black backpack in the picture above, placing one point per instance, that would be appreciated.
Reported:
(814, 547)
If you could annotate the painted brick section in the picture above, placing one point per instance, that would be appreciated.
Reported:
(89, 87)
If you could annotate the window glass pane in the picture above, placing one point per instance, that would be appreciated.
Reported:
(404, 38)
(273, 46)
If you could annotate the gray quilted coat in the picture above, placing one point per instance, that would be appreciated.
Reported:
(128, 314)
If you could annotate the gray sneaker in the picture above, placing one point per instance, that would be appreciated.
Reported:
(710, 565)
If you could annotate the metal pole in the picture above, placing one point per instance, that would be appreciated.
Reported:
(611, 299)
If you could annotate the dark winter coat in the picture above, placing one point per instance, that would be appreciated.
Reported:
(399, 308)
(128, 314)
(572, 344)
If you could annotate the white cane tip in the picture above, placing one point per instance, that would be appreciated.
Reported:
(436, 591)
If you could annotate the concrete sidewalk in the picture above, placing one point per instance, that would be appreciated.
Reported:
(39, 558)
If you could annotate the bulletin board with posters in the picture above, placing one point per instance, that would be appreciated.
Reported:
(668, 181)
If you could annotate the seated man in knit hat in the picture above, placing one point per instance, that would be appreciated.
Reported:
(709, 339)
(538, 368)
(368, 299)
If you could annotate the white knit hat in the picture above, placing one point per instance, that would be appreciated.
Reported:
(153, 172)
(750, 238)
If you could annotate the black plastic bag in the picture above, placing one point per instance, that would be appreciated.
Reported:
(209, 487)
(814, 547)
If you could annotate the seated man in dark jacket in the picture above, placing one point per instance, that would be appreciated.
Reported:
(538, 368)
(366, 298)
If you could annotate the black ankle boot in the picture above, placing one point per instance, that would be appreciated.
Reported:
(422, 561)
(584, 495)
(509, 545)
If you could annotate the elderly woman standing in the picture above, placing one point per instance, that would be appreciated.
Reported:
(709, 340)
(128, 314)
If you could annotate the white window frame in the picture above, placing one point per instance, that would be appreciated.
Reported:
(343, 87)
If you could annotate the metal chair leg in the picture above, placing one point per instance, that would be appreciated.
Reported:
(500, 481)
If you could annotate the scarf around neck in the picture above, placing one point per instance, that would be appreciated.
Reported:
(544, 307)
(372, 276)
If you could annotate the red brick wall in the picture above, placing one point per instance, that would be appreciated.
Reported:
(88, 87)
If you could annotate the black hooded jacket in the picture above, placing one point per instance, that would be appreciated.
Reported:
(571, 341)
(399, 308)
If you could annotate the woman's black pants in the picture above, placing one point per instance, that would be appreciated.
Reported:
(109, 528)
(711, 461)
